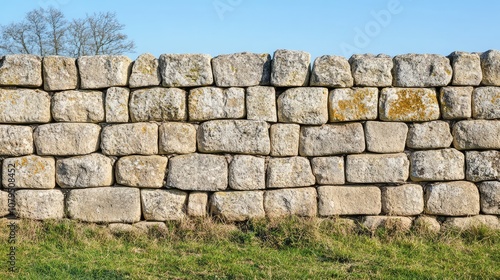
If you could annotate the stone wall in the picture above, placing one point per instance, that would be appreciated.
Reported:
(413, 138)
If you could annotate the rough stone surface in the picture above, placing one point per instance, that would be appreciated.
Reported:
(65, 139)
(177, 138)
(399, 224)
(29, 172)
(373, 168)
(486, 103)
(429, 135)
(78, 106)
(466, 69)
(24, 106)
(234, 136)
(94, 170)
(427, 224)
(437, 165)
(331, 139)
(476, 134)
(237, 205)
(126, 139)
(163, 205)
(39, 204)
(404, 200)
(105, 205)
(408, 104)
(286, 202)
(290, 68)
(121, 228)
(198, 172)
(351, 104)
(141, 171)
(145, 72)
(378, 140)
(421, 70)
(158, 104)
(371, 71)
(117, 105)
(197, 204)
(23, 70)
(490, 197)
(242, 70)
(4, 203)
(304, 105)
(459, 198)
(59, 73)
(148, 226)
(285, 139)
(467, 223)
(186, 70)
(289, 172)
(456, 102)
(16, 140)
(328, 170)
(490, 64)
(103, 71)
(482, 166)
(331, 71)
(261, 103)
(349, 200)
(207, 103)
(247, 173)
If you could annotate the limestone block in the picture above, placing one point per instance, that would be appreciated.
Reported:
(459, 198)
(285, 139)
(94, 170)
(103, 71)
(403, 200)
(158, 104)
(349, 200)
(331, 139)
(490, 64)
(177, 138)
(16, 140)
(456, 102)
(374, 168)
(427, 224)
(490, 197)
(476, 134)
(141, 171)
(198, 172)
(186, 70)
(4, 203)
(421, 70)
(242, 69)
(371, 71)
(29, 172)
(39, 204)
(468, 223)
(331, 71)
(237, 205)
(289, 172)
(385, 137)
(24, 106)
(305, 105)
(145, 72)
(261, 103)
(207, 103)
(247, 173)
(234, 136)
(131, 138)
(105, 205)
(408, 104)
(466, 69)
(117, 105)
(351, 104)
(437, 165)
(482, 166)
(328, 170)
(23, 70)
(148, 226)
(290, 68)
(486, 103)
(429, 135)
(78, 106)
(65, 139)
(59, 73)
(286, 202)
(197, 204)
(163, 205)
(399, 224)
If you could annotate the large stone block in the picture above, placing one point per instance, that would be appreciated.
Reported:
(331, 71)
(242, 69)
(158, 104)
(482, 166)
(466, 69)
(328, 170)
(351, 104)
(399, 224)
(459, 198)
(59, 73)
(186, 70)
(290, 68)
(404, 200)
(234, 136)
(117, 105)
(306, 105)
(332, 139)
(456, 102)
(198, 172)
(408, 104)
(197, 204)
(23, 70)
(437, 165)
(94, 170)
(468, 223)
(78, 106)
(16, 140)
(476, 134)
(349, 200)
(286, 202)
(141, 171)
(421, 70)
(285, 139)
(163, 205)
(486, 103)
(371, 71)
(289, 172)
(24, 106)
(378, 140)
(207, 103)
(105, 205)
(261, 104)
(65, 139)
(177, 138)
(490, 197)
(29, 172)
(373, 168)
(39, 204)
(145, 72)
(128, 139)
(103, 71)
(490, 64)
(427, 224)
(247, 173)
(429, 135)
(237, 205)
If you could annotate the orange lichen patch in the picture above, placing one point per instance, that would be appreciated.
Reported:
(354, 107)
(411, 105)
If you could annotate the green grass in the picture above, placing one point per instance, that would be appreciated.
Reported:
(292, 248)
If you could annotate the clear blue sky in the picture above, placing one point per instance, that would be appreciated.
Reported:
(319, 27)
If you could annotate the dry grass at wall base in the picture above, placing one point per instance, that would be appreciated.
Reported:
(288, 248)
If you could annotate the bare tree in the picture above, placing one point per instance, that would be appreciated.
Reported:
(105, 35)
(57, 25)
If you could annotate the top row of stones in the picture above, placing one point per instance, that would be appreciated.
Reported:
(286, 69)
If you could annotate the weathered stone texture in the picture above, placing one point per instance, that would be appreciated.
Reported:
(331, 139)
(421, 70)
(349, 200)
(141, 171)
(127, 139)
(437, 165)
(29, 172)
(4, 203)
(78, 106)
(94, 170)
(24, 106)
(399, 224)
(158, 104)
(59, 73)
(242, 70)
(39, 204)
(284, 139)
(207, 103)
(429, 135)
(459, 198)
(490, 197)
(352, 104)
(247, 173)
(467, 223)
(490, 64)
(163, 205)
(16, 140)
(427, 224)
(23, 70)
(186, 70)
(65, 139)
(103, 71)
(476, 134)
(117, 105)
(290, 68)
(486, 103)
(289, 172)
(304, 105)
(456, 102)
(261, 103)
(328, 170)
(404, 200)
(197, 204)
(198, 172)
(371, 71)
(145, 71)
(466, 69)
(285, 202)
(148, 226)
(408, 104)
(237, 205)
(331, 71)
(482, 166)
(385, 137)
(373, 168)
(177, 138)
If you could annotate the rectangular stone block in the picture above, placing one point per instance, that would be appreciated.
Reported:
(94, 170)
(429, 135)
(247, 173)
(490, 197)
(476, 135)
(66, 139)
(408, 104)
(261, 103)
(177, 138)
(145, 72)
(371, 71)
(401, 224)
(128, 139)
(186, 70)
(331, 71)
(117, 105)
(473, 222)
(466, 69)
(158, 104)
(482, 166)
(490, 64)
(22, 70)
(39, 204)
(103, 71)
(237, 206)
(24, 106)
(163, 205)
(437, 165)
(421, 70)
(29, 172)
(328, 170)
(286, 202)
(373, 168)
(289, 172)
(59, 73)
(208, 103)
(16, 140)
(349, 200)
(458, 198)
(331, 139)
(486, 103)
(290, 68)
(456, 102)
(378, 140)
(141, 171)
(404, 200)
(285, 139)
(197, 204)
(352, 104)
(242, 69)
(78, 106)
(305, 105)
